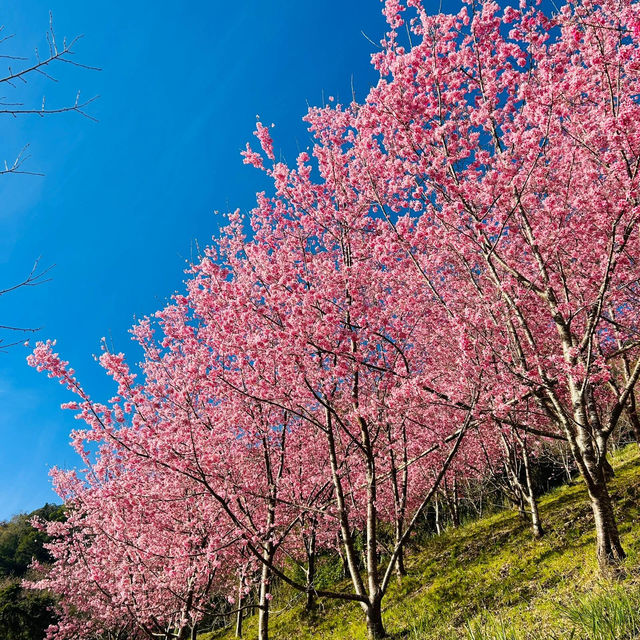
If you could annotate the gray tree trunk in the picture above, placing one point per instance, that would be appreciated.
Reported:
(375, 627)
(310, 546)
(536, 524)
(263, 603)
(239, 613)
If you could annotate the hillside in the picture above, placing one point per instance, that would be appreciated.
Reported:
(490, 580)
(24, 614)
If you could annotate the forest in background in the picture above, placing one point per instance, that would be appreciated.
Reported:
(25, 614)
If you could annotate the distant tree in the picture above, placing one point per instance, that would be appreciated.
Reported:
(25, 614)
(21, 543)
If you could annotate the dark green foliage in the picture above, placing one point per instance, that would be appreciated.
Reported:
(24, 614)
(20, 543)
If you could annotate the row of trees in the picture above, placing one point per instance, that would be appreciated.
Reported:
(449, 282)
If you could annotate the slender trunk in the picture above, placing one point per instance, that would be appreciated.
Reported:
(566, 463)
(536, 524)
(375, 628)
(513, 487)
(310, 602)
(399, 484)
(263, 608)
(451, 503)
(438, 517)
(372, 606)
(183, 632)
(400, 568)
(310, 546)
(455, 504)
(269, 548)
(194, 632)
(343, 558)
(240, 612)
(345, 530)
(239, 621)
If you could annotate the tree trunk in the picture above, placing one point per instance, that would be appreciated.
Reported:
(310, 545)
(399, 482)
(239, 613)
(239, 620)
(400, 568)
(438, 519)
(455, 504)
(310, 602)
(263, 608)
(451, 500)
(607, 469)
(566, 463)
(343, 561)
(536, 525)
(375, 628)
(263, 620)
(194, 632)
(608, 548)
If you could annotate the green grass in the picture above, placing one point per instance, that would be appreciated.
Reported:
(490, 580)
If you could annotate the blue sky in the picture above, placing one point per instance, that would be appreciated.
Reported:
(124, 200)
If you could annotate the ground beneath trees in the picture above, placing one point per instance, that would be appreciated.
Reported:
(490, 580)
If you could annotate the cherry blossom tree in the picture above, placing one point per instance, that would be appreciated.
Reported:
(138, 554)
(290, 355)
(512, 137)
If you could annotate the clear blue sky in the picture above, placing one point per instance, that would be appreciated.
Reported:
(123, 201)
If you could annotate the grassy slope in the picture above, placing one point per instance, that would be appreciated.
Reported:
(490, 580)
